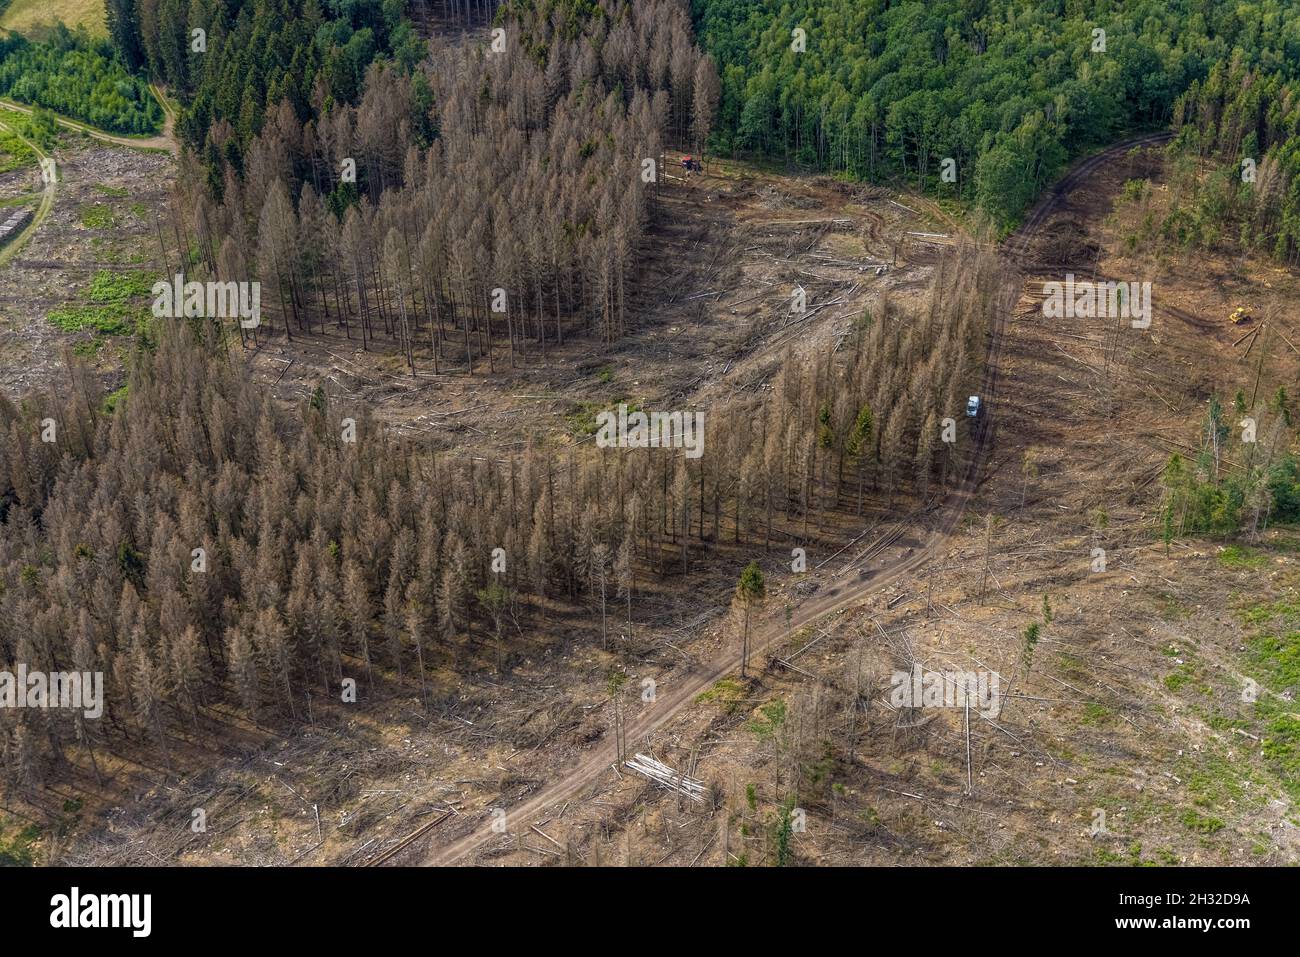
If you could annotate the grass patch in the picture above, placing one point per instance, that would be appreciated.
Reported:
(114, 399)
(117, 287)
(1179, 678)
(106, 320)
(110, 311)
(25, 199)
(1194, 820)
(24, 15)
(1215, 782)
(106, 250)
(38, 127)
(97, 216)
(1095, 714)
(115, 191)
(582, 419)
(1222, 722)
(1281, 747)
(1275, 659)
(1071, 665)
(1235, 556)
(14, 153)
(1167, 857)
(17, 850)
(1105, 857)
(1284, 608)
(728, 693)
(769, 720)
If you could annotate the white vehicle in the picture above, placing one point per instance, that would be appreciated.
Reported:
(973, 406)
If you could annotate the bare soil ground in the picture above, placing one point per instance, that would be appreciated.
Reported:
(725, 325)
(1126, 737)
(105, 202)
(1130, 704)
(711, 314)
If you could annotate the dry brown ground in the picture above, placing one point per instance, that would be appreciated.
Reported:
(1132, 703)
(710, 311)
(98, 185)
(373, 776)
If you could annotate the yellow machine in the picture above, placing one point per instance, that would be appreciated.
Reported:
(1241, 315)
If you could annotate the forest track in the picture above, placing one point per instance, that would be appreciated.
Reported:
(132, 142)
(12, 248)
(1017, 244)
(169, 114)
(386, 856)
(841, 594)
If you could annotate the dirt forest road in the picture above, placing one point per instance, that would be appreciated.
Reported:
(169, 114)
(1017, 244)
(47, 201)
(840, 591)
(165, 142)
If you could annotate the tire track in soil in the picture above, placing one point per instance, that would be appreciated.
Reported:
(42, 211)
(136, 143)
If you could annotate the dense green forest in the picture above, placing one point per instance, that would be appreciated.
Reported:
(1010, 90)
(78, 76)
